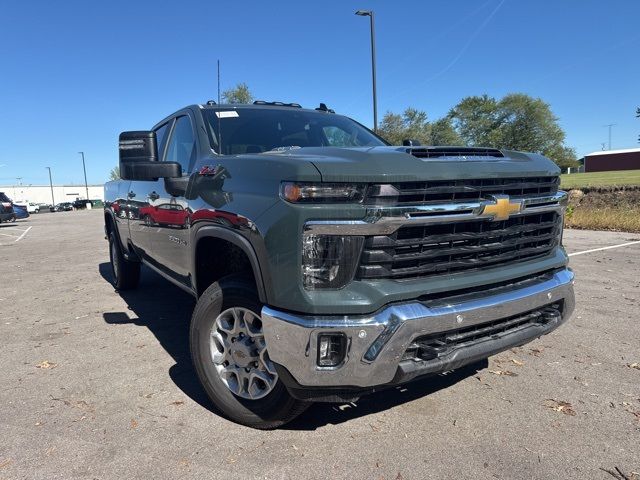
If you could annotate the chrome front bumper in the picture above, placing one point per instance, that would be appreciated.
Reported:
(377, 342)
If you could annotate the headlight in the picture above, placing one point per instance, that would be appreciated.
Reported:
(329, 261)
(300, 192)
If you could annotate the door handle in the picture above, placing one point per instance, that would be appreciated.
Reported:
(131, 194)
(153, 196)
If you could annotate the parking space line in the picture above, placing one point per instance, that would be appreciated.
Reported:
(604, 248)
(23, 234)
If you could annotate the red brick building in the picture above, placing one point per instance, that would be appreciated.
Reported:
(627, 159)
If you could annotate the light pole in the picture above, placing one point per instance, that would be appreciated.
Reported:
(86, 187)
(53, 202)
(369, 13)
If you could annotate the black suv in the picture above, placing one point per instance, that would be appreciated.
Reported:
(6, 209)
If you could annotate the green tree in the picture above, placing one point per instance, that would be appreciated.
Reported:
(412, 124)
(516, 122)
(238, 94)
(563, 156)
(476, 120)
(114, 174)
(443, 133)
(527, 124)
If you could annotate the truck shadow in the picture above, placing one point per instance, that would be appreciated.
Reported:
(166, 311)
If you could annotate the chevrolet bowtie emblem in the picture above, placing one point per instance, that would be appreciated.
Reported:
(501, 207)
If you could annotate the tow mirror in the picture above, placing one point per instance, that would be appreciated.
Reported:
(139, 158)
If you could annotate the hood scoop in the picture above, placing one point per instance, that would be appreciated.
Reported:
(459, 153)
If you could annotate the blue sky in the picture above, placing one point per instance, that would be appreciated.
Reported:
(74, 74)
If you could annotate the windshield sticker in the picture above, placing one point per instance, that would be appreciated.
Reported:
(227, 114)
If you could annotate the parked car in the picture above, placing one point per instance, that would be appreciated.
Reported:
(63, 207)
(7, 214)
(21, 211)
(165, 214)
(344, 265)
(33, 207)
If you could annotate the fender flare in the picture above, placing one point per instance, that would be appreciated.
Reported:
(128, 253)
(239, 241)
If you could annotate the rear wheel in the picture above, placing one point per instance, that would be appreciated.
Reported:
(126, 274)
(231, 358)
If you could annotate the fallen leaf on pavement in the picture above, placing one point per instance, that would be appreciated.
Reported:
(505, 373)
(560, 406)
(634, 365)
(5, 463)
(177, 403)
(134, 424)
(45, 364)
(517, 362)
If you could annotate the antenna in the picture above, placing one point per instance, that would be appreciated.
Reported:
(219, 129)
(610, 125)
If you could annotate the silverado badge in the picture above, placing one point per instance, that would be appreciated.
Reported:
(501, 207)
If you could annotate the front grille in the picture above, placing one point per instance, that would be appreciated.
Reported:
(432, 346)
(445, 191)
(424, 250)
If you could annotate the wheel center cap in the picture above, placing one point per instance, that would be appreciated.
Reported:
(242, 355)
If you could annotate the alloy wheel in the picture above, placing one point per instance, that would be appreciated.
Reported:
(239, 354)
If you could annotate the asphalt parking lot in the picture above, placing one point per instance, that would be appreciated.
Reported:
(100, 385)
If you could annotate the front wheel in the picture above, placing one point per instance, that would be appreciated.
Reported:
(126, 274)
(231, 358)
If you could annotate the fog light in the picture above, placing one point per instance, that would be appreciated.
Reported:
(332, 349)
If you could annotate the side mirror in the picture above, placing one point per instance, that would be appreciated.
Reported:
(410, 142)
(139, 158)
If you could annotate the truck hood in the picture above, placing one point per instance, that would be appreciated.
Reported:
(398, 164)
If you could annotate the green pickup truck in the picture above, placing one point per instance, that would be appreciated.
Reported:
(328, 264)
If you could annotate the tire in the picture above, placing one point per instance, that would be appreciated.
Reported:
(269, 410)
(126, 274)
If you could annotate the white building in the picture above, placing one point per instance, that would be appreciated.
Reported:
(42, 193)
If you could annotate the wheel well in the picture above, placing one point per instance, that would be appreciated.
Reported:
(217, 258)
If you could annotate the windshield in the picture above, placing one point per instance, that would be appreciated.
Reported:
(258, 130)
